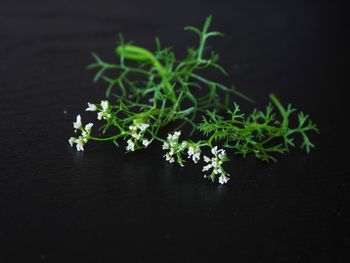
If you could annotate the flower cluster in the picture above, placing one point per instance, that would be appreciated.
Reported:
(215, 163)
(138, 130)
(175, 148)
(103, 109)
(195, 152)
(85, 134)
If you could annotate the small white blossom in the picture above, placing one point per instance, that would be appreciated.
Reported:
(175, 147)
(77, 124)
(194, 152)
(104, 105)
(100, 115)
(88, 127)
(72, 141)
(176, 135)
(190, 151)
(85, 134)
(143, 126)
(132, 128)
(222, 155)
(91, 107)
(207, 159)
(130, 146)
(223, 179)
(80, 143)
(166, 146)
(138, 125)
(145, 142)
(206, 168)
(214, 150)
(183, 145)
(137, 132)
(196, 157)
(169, 158)
(104, 114)
(136, 136)
(216, 164)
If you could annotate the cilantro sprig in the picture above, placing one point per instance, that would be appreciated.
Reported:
(151, 91)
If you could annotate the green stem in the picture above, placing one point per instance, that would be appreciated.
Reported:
(141, 54)
(212, 138)
(203, 37)
(281, 110)
(106, 138)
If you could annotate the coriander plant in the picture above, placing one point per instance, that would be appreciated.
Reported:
(149, 92)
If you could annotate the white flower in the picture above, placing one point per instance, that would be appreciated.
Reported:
(91, 107)
(196, 157)
(132, 128)
(72, 141)
(217, 171)
(104, 113)
(143, 126)
(194, 152)
(104, 105)
(174, 137)
(177, 134)
(223, 179)
(183, 145)
(216, 164)
(190, 151)
(137, 132)
(100, 115)
(169, 158)
(130, 146)
(206, 168)
(80, 143)
(135, 135)
(145, 142)
(222, 155)
(77, 124)
(214, 150)
(172, 144)
(165, 146)
(85, 134)
(88, 127)
(138, 126)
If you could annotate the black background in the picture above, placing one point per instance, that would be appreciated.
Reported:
(60, 205)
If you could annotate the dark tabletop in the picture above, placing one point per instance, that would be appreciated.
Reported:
(60, 205)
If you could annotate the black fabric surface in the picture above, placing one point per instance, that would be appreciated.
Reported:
(59, 205)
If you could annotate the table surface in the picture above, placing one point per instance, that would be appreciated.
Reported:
(58, 205)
